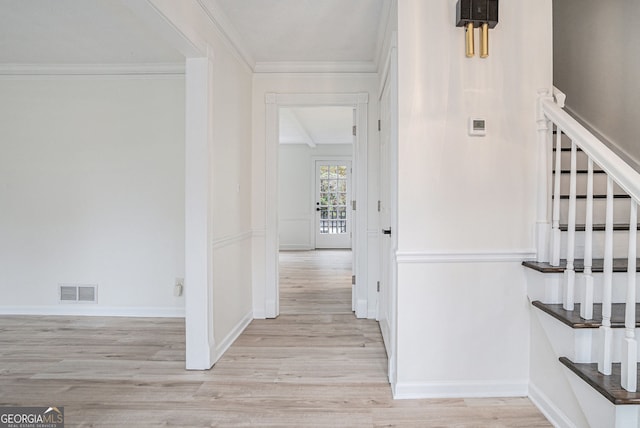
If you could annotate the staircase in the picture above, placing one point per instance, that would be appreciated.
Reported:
(583, 285)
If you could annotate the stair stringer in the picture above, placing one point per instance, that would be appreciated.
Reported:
(564, 398)
(549, 388)
(599, 411)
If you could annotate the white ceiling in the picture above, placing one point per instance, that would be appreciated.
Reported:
(77, 32)
(316, 125)
(289, 31)
(271, 35)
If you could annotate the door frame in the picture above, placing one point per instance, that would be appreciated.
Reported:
(274, 101)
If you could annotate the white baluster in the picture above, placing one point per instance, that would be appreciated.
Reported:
(586, 307)
(569, 272)
(555, 229)
(606, 334)
(629, 363)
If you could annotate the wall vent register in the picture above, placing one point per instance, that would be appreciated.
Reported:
(78, 293)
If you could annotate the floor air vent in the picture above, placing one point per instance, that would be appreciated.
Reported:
(78, 293)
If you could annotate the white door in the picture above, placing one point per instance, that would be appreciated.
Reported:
(384, 295)
(333, 196)
(387, 296)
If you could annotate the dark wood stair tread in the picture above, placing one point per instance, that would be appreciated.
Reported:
(608, 386)
(597, 227)
(619, 265)
(617, 196)
(581, 171)
(566, 149)
(573, 319)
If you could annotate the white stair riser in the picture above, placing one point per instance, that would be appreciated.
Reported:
(620, 211)
(599, 185)
(548, 287)
(620, 244)
(580, 345)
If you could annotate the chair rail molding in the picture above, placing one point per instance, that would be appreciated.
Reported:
(465, 256)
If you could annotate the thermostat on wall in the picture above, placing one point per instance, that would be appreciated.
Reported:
(477, 127)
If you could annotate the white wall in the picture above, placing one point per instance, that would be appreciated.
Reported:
(466, 204)
(231, 195)
(92, 173)
(296, 191)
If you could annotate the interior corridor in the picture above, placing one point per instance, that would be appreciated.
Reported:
(315, 282)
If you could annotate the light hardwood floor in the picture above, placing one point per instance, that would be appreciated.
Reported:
(315, 365)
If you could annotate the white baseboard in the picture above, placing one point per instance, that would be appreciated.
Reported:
(549, 409)
(224, 345)
(296, 247)
(93, 310)
(460, 389)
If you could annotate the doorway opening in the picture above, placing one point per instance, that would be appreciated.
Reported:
(315, 152)
(315, 282)
(267, 293)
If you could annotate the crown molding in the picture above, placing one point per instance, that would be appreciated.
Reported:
(316, 67)
(227, 31)
(158, 69)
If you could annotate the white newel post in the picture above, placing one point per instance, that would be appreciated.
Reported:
(542, 216)
(629, 366)
(606, 334)
(586, 307)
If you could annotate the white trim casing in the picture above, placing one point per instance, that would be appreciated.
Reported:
(272, 239)
(266, 295)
